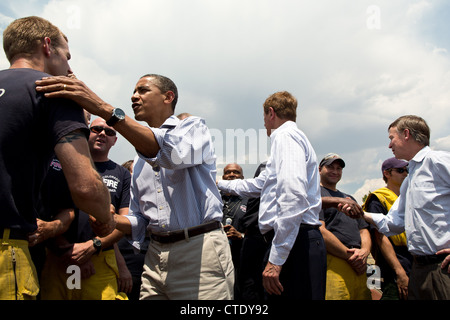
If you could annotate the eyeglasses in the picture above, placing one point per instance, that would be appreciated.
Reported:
(98, 129)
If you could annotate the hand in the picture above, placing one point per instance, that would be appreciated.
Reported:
(80, 253)
(271, 279)
(73, 89)
(350, 207)
(87, 270)
(232, 233)
(103, 229)
(125, 280)
(357, 260)
(44, 231)
(446, 261)
(402, 285)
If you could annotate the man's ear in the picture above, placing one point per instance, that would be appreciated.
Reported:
(272, 113)
(406, 134)
(170, 96)
(46, 46)
(386, 174)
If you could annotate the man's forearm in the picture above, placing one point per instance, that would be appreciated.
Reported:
(368, 217)
(122, 224)
(141, 137)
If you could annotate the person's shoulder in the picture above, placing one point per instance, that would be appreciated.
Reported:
(339, 193)
(438, 156)
(25, 74)
(192, 120)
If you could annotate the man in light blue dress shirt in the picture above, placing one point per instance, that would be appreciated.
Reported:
(422, 209)
(174, 196)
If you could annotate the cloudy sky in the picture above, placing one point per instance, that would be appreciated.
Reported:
(354, 66)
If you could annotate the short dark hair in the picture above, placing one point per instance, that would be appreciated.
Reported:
(165, 84)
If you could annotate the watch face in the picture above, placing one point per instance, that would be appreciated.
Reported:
(97, 242)
(119, 113)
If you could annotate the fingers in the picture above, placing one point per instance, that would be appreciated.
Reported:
(271, 282)
(125, 285)
(56, 86)
(446, 262)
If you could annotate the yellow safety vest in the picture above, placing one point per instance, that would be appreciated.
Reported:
(387, 198)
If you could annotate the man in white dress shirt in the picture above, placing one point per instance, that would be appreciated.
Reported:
(422, 209)
(289, 207)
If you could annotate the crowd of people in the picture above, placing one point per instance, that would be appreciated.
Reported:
(160, 227)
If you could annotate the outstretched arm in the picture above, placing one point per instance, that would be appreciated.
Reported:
(141, 137)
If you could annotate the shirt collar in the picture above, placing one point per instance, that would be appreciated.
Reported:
(421, 154)
(285, 126)
(170, 122)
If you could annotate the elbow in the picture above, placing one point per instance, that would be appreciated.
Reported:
(88, 191)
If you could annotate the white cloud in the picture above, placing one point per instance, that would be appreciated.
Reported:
(369, 185)
(228, 57)
(442, 144)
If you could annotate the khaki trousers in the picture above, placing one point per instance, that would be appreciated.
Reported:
(199, 268)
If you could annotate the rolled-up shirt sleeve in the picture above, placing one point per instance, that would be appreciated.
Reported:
(138, 230)
(138, 220)
(184, 144)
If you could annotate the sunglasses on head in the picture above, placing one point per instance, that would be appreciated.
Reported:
(98, 129)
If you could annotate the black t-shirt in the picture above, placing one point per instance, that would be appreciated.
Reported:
(55, 193)
(30, 127)
(373, 204)
(346, 229)
(117, 179)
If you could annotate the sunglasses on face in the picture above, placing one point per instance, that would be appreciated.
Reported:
(401, 170)
(98, 129)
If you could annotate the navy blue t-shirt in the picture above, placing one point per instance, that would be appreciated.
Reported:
(30, 127)
(117, 179)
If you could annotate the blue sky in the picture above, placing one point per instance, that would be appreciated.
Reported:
(354, 66)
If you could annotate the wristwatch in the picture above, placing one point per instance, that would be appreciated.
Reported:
(97, 244)
(117, 115)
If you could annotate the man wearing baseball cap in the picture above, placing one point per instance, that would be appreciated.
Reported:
(347, 240)
(391, 253)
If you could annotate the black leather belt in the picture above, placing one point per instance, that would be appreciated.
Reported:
(14, 234)
(431, 259)
(178, 235)
(268, 236)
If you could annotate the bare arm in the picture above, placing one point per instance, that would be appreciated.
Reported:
(332, 243)
(86, 186)
(346, 205)
(139, 136)
(51, 229)
(389, 254)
